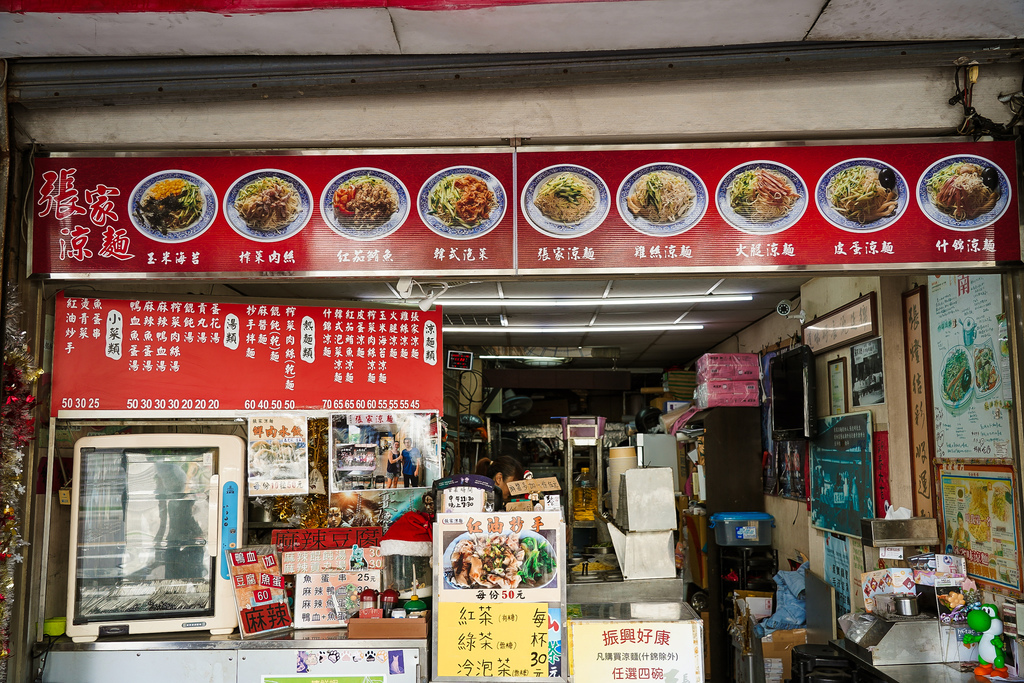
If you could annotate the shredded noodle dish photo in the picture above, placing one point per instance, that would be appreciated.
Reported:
(566, 198)
(863, 194)
(268, 203)
(661, 197)
(762, 195)
(964, 190)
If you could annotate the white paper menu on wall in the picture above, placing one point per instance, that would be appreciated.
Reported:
(970, 383)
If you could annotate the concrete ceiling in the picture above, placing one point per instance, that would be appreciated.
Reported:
(135, 28)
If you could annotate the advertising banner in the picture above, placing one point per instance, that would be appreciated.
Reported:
(636, 650)
(530, 210)
(970, 374)
(979, 513)
(203, 357)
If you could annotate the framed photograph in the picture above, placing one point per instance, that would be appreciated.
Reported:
(845, 325)
(868, 387)
(837, 387)
(842, 484)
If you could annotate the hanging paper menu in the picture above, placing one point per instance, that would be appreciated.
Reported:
(278, 461)
(259, 591)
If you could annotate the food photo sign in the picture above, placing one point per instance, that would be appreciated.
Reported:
(979, 520)
(527, 210)
(190, 357)
(970, 373)
(499, 557)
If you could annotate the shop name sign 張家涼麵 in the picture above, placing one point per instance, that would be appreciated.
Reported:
(623, 210)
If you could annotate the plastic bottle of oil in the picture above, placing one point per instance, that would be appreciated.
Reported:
(584, 496)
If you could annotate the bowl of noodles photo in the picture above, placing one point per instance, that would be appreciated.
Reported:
(172, 206)
(268, 205)
(963, 192)
(957, 378)
(662, 199)
(461, 202)
(761, 197)
(565, 201)
(862, 195)
(364, 204)
(499, 560)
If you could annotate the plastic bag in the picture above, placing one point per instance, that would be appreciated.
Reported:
(856, 625)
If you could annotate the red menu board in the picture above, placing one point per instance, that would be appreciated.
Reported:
(202, 357)
(756, 208)
(502, 212)
(274, 215)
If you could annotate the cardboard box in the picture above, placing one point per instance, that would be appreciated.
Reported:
(370, 629)
(778, 645)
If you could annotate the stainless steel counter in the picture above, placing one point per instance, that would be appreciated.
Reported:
(907, 673)
(172, 658)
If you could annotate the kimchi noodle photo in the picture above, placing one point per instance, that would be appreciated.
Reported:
(268, 203)
(960, 190)
(461, 201)
(762, 195)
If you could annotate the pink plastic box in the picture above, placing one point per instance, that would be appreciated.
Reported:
(727, 393)
(717, 366)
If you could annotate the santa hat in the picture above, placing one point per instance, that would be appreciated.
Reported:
(410, 534)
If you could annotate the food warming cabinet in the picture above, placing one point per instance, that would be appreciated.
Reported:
(152, 515)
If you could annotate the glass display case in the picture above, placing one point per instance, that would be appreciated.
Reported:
(151, 517)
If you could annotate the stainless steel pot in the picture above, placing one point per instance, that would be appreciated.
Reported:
(906, 605)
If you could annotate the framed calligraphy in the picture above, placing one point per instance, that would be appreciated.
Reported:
(837, 387)
(919, 407)
(851, 323)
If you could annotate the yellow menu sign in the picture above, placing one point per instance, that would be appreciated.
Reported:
(499, 640)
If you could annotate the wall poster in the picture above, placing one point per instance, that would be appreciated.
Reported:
(837, 569)
(636, 650)
(915, 338)
(979, 513)
(842, 490)
(970, 374)
(868, 386)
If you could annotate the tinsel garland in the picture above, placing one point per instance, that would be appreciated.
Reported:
(307, 512)
(17, 428)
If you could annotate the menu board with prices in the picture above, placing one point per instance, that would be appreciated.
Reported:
(161, 357)
(622, 210)
(636, 650)
(328, 599)
(259, 591)
(499, 557)
(336, 560)
(513, 641)
(294, 540)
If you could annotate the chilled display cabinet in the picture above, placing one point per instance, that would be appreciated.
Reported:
(152, 516)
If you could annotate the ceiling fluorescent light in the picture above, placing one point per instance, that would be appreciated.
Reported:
(560, 358)
(611, 301)
(575, 329)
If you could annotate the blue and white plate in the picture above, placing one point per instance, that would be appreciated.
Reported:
(351, 229)
(754, 227)
(185, 234)
(693, 214)
(554, 228)
(446, 558)
(956, 364)
(828, 210)
(276, 235)
(458, 232)
(947, 221)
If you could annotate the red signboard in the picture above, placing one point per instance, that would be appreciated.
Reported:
(202, 357)
(504, 212)
(273, 215)
(712, 232)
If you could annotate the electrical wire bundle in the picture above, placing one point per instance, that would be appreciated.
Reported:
(974, 124)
